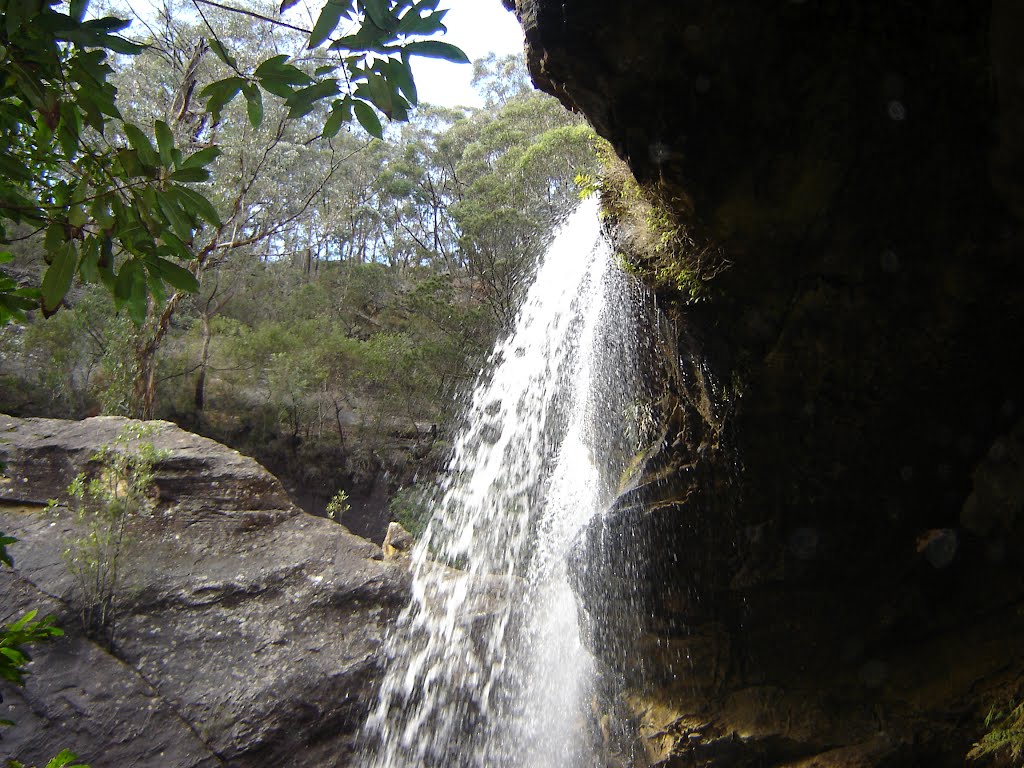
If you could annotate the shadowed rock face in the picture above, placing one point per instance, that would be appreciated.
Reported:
(250, 635)
(835, 512)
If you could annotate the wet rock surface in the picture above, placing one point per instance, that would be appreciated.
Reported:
(828, 535)
(250, 633)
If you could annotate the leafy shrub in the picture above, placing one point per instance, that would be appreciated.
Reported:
(102, 506)
(411, 507)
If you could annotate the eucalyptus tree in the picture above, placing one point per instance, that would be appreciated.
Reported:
(124, 211)
(516, 172)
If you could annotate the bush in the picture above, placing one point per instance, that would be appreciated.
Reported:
(102, 505)
(411, 507)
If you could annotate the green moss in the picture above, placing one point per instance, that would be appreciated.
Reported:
(1005, 737)
(657, 245)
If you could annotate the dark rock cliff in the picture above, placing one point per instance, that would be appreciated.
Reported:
(830, 531)
(250, 633)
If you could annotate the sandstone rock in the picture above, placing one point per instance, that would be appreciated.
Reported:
(398, 542)
(250, 634)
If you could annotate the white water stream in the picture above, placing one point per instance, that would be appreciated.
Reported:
(487, 666)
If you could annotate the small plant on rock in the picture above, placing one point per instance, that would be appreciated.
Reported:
(102, 503)
(14, 657)
(338, 506)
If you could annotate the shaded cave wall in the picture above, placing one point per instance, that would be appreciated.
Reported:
(836, 508)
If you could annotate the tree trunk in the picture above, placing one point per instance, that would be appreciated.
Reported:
(200, 392)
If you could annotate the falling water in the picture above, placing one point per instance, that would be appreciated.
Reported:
(487, 664)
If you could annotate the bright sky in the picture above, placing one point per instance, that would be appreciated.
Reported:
(478, 27)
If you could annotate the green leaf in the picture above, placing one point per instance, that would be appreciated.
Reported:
(414, 24)
(341, 112)
(198, 204)
(270, 66)
(380, 93)
(253, 104)
(201, 158)
(130, 290)
(301, 102)
(165, 142)
(108, 24)
(176, 276)
(92, 37)
(128, 164)
(53, 239)
(220, 94)
(368, 119)
(276, 68)
(190, 175)
(280, 78)
(24, 620)
(13, 168)
(435, 49)
(140, 143)
(326, 23)
(222, 53)
(379, 14)
(88, 265)
(69, 129)
(178, 219)
(64, 760)
(400, 73)
(6, 257)
(16, 13)
(77, 8)
(59, 274)
(173, 245)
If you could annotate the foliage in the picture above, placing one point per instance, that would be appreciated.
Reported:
(411, 507)
(66, 759)
(118, 214)
(1005, 735)
(15, 636)
(124, 210)
(14, 656)
(102, 505)
(338, 506)
(356, 286)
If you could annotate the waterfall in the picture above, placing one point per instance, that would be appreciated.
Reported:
(487, 665)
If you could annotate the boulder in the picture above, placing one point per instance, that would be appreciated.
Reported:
(249, 633)
(398, 542)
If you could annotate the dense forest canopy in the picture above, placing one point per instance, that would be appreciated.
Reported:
(350, 286)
